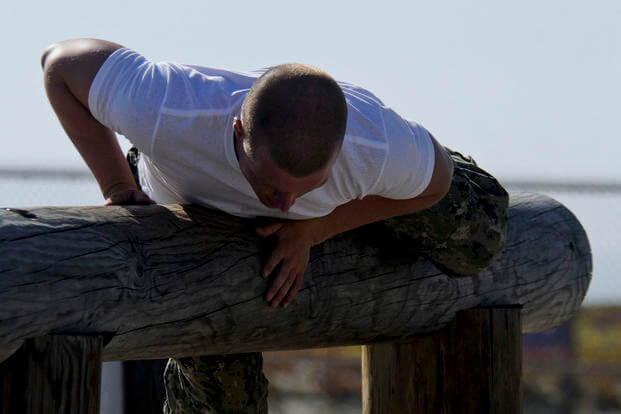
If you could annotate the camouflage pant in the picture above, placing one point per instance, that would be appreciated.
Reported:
(216, 384)
(462, 234)
(465, 231)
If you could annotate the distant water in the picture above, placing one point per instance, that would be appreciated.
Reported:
(36, 191)
(598, 211)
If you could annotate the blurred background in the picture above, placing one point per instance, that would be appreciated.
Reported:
(530, 90)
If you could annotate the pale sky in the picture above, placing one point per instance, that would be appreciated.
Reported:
(531, 89)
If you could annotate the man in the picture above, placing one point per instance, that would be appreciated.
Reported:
(319, 156)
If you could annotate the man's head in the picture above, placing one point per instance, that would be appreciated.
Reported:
(291, 129)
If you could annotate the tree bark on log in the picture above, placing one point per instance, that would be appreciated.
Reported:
(53, 374)
(179, 281)
(471, 366)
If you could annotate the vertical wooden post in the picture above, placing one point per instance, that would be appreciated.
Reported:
(53, 374)
(473, 365)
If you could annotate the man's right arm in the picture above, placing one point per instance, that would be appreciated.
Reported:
(69, 69)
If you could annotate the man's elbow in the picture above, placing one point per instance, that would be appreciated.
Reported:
(442, 178)
(75, 63)
(447, 178)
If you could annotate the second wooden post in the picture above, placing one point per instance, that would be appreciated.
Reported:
(473, 365)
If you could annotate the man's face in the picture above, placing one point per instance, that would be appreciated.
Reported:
(274, 187)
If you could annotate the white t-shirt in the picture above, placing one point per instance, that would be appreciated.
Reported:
(180, 117)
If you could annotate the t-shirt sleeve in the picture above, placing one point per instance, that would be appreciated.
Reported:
(409, 162)
(127, 95)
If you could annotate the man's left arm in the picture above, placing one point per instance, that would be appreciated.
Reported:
(294, 239)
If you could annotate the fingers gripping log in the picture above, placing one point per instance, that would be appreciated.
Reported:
(183, 281)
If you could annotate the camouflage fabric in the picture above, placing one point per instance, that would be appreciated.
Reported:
(465, 231)
(217, 384)
(462, 234)
(132, 159)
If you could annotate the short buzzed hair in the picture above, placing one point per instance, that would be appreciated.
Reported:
(299, 114)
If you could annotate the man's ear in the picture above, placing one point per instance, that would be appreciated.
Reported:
(238, 128)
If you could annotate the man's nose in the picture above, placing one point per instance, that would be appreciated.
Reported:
(286, 200)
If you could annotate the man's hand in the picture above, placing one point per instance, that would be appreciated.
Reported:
(291, 251)
(129, 196)
(295, 238)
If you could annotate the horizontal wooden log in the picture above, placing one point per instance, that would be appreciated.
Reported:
(177, 281)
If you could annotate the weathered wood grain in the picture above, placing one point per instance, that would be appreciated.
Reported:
(53, 374)
(471, 366)
(180, 280)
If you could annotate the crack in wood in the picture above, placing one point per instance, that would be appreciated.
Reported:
(149, 272)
